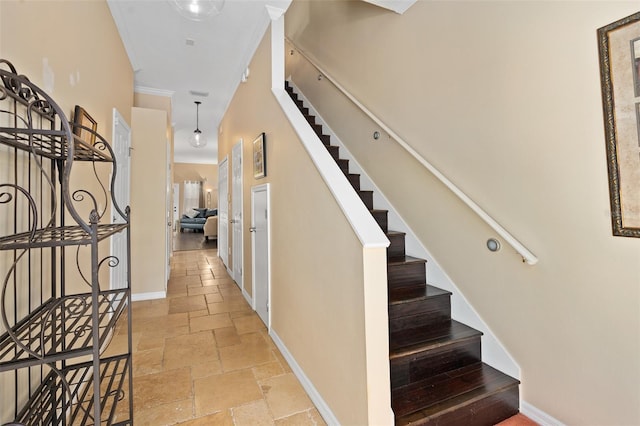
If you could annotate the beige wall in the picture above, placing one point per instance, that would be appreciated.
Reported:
(162, 103)
(64, 35)
(317, 294)
(148, 201)
(504, 98)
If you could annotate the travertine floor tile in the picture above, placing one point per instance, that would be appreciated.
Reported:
(194, 291)
(189, 349)
(252, 414)
(209, 368)
(210, 322)
(206, 283)
(226, 337)
(149, 341)
(285, 395)
(147, 309)
(266, 371)
(214, 298)
(222, 418)
(251, 352)
(161, 388)
(248, 324)
(301, 419)
(215, 393)
(160, 325)
(227, 306)
(165, 414)
(187, 304)
(147, 362)
(195, 314)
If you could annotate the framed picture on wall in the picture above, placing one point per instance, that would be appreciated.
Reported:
(82, 121)
(259, 157)
(619, 48)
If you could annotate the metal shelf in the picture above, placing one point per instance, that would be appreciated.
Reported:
(57, 237)
(47, 331)
(57, 403)
(60, 328)
(52, 144)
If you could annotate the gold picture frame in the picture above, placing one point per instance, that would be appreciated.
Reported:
(259, 157)
(82, 122)
(619, 49)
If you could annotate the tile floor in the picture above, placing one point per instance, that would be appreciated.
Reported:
(203, 357)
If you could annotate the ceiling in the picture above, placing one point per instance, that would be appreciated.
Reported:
(173, 56)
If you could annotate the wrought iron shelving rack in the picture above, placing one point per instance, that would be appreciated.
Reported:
(57, 319)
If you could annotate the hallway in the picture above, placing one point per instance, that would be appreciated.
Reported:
(203, 357)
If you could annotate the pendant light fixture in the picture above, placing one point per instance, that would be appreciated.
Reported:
(198, 10)
(196, 140)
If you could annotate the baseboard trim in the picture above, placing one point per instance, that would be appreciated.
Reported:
(137, 297)
(248, 298)
(313, 393)
(538, 416)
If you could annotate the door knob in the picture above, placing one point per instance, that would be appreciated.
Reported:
(252, 229)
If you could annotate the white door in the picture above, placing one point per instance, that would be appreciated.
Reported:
(260, 256)
(236, 212)
(122, 188)
(223, 211)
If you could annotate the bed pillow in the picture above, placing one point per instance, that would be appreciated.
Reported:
(200, 212)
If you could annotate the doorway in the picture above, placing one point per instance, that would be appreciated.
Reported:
(260, 251)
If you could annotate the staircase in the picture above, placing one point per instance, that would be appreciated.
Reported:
(437, 375)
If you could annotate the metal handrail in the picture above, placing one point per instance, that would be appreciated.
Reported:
(527, 255)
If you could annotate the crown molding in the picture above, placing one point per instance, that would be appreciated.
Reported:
(398, 6)
(145, 90)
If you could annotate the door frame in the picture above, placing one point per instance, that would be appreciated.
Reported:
(255, 189)
(223, 214)
(120, 123)
(237, 247)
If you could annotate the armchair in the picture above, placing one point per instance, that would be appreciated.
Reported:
(211, 228)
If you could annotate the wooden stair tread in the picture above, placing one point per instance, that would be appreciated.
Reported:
(411, 294)
(405, 259)
(448, 391)
(390, 233)
(413, 340)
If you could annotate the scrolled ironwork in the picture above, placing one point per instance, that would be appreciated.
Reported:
(104, 191)
(82, 330)
(3, 311)
(6, 197)
(80, 194)
(112, 262)
(79, 268)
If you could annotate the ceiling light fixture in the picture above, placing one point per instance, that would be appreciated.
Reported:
(198, 10)
(196, 140)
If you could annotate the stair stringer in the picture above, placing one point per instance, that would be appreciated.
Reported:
(493, 351)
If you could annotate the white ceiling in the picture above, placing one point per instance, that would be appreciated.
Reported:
(220, 48)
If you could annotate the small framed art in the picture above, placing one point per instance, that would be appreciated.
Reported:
(259, 157)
